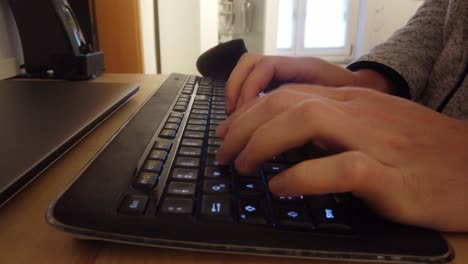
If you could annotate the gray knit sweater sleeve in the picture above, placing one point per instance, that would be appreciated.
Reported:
(412, 50)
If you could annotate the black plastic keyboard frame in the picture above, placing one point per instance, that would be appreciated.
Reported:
(87, 209)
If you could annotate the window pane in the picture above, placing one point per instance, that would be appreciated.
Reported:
(285, 24)
(325, 25)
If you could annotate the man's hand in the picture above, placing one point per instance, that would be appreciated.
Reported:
(407, 162)
(255, 72)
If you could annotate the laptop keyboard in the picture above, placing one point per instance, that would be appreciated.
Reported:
(180, 174)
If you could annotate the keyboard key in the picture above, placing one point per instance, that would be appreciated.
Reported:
(212, 150)
(211, 162)
(216, 121)
(179, 108)
(183, 100)
(250, 186)
(190, 142)
(216, 142)
(187, 91)
(134, 204)
(199, 128)
(185, 174)
(201, 112)
(158, 155)
(219, 107)
(187, 162)
(199, 116)
(203, 97)
(327, 213)
(197, 122)
(331, 219)
(174, 120)
(217, 116)
(274, 168)
(177, 206)
(216, 207)
(294, 216)
(191, 152)
(219, 112)
(181, 188)
(278, 159)
(153, 166)
(217, 172)
(168, 133)
(201, 103)
(146, 180)
(289, 198)
(175, 114)
(252, 211)
(194, 134)
(171, 126)
(161, 145)
(201, 107)
(215, 186)
(219, 98)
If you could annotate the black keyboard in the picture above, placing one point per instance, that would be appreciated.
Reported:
(187, 181)
(157, 183)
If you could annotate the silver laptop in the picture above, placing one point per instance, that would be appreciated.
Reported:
(41, 120)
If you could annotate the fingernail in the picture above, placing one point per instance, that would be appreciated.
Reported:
(277, 185)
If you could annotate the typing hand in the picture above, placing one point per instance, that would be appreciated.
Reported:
(405, 161)
(255, 72)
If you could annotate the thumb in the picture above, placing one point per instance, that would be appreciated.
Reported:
(351, 171)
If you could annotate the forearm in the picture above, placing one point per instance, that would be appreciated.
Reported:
(411, 51)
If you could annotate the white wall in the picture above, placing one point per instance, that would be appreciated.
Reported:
(179, 27)
(148, 36)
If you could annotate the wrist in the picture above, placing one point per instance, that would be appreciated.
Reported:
(371, 79)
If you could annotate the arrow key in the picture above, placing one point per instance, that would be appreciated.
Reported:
(252, 211)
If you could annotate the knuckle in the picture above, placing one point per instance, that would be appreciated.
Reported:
(311, 110)
(356, 166)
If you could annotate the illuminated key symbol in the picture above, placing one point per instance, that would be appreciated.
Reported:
(134, 204)
(329, 214)
(215, 207)
(218, 187)
(293, 214)
(250, 208)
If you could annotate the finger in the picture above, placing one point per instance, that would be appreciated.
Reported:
(302, 70)
(340, 94)
(316, 120)
(223, 128)
(266, 70)
(351, 171)
(240, 127)
(237, 78)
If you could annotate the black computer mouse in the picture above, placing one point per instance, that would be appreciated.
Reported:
(219, 61)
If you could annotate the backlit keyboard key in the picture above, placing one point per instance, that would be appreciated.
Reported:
(134, 204)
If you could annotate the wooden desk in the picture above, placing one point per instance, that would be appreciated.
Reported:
(26, 238)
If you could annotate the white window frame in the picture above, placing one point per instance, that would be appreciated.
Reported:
(344, 54)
